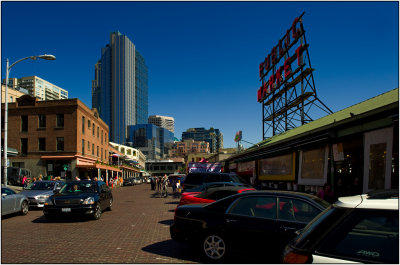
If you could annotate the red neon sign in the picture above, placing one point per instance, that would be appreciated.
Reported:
(275, 56)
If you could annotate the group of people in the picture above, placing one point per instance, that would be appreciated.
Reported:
(341, 190)
(157, 183)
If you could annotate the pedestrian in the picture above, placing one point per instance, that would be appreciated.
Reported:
(158, 184)
(340, 190)
(326, 193)
(355, 188)
(152, 182)
(77, 178)
(34, 179)
(173, 184)
(24, 180)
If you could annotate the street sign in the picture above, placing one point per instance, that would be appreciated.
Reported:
(65, 167)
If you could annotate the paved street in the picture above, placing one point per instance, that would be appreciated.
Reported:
(135, 231)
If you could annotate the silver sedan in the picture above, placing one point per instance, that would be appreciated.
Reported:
(12, 202)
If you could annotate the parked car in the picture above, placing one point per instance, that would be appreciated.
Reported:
(137, 181)
(128, 182)
(193, 180)
(255, 222)
(357, 229)
(84, 198)
(15, 175)
(39, 191)
(12, 202)
(214, 192)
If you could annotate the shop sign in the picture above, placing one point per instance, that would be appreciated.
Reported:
(283, 72)
(338, 154)
(277, 168)
(194, 167)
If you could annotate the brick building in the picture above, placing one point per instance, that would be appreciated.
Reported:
(58, 134)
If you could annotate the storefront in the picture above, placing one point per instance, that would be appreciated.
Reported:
(354, 150)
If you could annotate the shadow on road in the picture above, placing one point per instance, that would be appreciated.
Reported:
(65, 219)
(172, 249)
(166, 222)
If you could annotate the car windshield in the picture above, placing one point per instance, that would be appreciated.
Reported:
(78, 187)
(40, 185)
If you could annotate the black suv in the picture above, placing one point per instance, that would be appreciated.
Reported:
(86, 198)
(193, 180)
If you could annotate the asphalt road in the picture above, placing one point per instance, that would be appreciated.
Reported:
(135, 231)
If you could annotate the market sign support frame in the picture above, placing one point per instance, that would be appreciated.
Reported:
(287, 96)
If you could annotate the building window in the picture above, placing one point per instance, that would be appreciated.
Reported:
(93, 129)
(42, 121)
(24, 146)
(101, 136)
(83, 124)
(98, 132)
(60, 143)
(60, 121)
(83, 147)
(97, 151)
(24, 123)
(42, 144)
(88, 123)
(92, 149)
(88, 145)
(101, 154)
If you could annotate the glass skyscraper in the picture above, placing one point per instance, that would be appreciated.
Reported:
(120, 88)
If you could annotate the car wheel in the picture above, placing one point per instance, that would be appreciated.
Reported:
(24, 208)
(97, 212)
(110, 205)
(214, 248)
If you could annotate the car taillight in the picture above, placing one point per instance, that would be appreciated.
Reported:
(295, 258)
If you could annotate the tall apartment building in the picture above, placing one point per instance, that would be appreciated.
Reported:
(120, 88)
(38, 87)
(213, 136)
(163, 122)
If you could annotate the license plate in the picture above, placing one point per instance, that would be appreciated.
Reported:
(66, 210)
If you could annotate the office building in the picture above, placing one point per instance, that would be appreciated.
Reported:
(151, 140)
(188, 146)
(213, 136)
(120, 88)
(163, 122)
(37, 87)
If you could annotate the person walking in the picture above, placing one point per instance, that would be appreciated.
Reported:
(24, 181)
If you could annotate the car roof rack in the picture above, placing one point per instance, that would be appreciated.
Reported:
(383, 194)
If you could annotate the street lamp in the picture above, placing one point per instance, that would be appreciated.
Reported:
(8, 68)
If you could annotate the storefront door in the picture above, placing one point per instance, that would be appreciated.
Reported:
(377, 159)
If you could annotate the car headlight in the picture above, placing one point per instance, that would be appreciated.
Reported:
(48, 201)
(89, 200)
(42, 197)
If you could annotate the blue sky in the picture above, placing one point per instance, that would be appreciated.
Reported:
(203, 57)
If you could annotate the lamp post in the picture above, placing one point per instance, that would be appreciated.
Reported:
(8, 68)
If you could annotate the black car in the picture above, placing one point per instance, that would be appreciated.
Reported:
(87, 198)
(128, 182)
(257, 221)
(194, 180)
